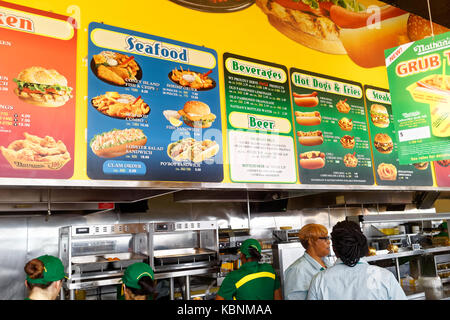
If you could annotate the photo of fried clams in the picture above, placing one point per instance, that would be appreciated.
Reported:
(347, 141)
(35, 152)
(192, 79)
(350, 160)
(116, 143)
(192, 150)
(42, 87)
(115, 68)
(387, 171)
(122, 106)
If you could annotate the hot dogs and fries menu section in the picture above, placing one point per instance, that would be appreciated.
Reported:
(37, 94)
(101, 102)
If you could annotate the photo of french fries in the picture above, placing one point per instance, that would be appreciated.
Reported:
(118, 105)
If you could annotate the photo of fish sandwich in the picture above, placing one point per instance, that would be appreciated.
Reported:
(197, 114)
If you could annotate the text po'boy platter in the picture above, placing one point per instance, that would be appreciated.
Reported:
(331, 130)
(152, 115)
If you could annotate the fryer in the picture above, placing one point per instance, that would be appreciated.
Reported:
(97, 255)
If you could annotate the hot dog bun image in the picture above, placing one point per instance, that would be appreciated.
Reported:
(383, 143)
(42, 87)
(306, 100)
(197, 114)
(116, 143)
(310, 138)
(308, 118)
(312, 160)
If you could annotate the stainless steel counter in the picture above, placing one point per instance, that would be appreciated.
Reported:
(407, 253)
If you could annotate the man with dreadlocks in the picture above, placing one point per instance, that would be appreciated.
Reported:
(352, 278)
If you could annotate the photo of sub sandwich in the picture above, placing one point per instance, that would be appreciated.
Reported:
(197, 114)
(312, 160)
(192, 150)
(310, 138)
(379, 115)
(383, 143)
(42, 87)
(116, 143)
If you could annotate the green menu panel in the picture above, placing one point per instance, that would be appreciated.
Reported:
(259, 121)
(388, 170)
(331, 130)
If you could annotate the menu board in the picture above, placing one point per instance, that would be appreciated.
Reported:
(259, 125)
(331, 129)
(442, 172)
(388, 171)
(37, 95)
(153, 108)
(419, 80)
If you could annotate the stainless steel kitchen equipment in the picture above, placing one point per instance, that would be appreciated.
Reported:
(183, 249)
(230, 239)
(96, 255)
(286, 235)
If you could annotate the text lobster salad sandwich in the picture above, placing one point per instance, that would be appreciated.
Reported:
(42, 87)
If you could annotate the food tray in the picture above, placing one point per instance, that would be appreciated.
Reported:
(185, 252)
(100, 262)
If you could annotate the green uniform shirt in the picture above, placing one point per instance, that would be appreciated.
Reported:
(253, 281)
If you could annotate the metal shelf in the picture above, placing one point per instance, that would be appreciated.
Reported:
(406, 254)
(399, 217)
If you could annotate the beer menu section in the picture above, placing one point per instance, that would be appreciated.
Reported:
(388, 170)
(37, 93)
(259, 127)
(331, 130)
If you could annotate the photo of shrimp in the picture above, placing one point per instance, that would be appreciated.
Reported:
(116, 68)
(192, 79)
(121, 106)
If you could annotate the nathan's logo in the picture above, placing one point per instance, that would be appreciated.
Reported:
(13, 22)
(432, 46)
(156, 49)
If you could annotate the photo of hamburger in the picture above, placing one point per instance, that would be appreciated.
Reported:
(379, 115)
(42, 87)
(197, 114)
(421, 165)
(383, 143)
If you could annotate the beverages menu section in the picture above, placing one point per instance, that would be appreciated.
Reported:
(388, 170)
(153, 108)
(331, 130)
(37, 93)
(259, 125)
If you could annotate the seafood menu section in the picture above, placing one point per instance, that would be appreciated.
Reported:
(331, 130)
(153, 108)
(37, 95)
(419, 81)
(388, 170)
(259, 125)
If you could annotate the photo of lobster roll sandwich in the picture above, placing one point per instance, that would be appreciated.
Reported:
(116, 143)
(310, 138)
(312, 160)
(308, 118)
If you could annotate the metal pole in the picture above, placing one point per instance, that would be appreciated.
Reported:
(172, 289)
(188, 289)
(397, 267)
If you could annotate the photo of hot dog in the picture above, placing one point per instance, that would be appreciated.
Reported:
(312, 160)
(116, 143)
(310, 138)
(306, 100)
(342, 106)
(308, 118)
(345, 124)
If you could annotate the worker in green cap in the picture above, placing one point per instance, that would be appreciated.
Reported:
(138, 282)
(253, 280)
(44, 277)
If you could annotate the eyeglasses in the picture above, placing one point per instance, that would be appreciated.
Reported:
(325, 238)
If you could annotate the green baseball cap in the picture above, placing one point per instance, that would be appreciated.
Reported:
(250, 243)
(53, 270)
(136, 271)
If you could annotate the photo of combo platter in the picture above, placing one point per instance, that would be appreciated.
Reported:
(148, 118)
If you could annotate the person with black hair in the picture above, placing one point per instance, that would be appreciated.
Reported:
(137, 282)
(253, 280)
(352, 278)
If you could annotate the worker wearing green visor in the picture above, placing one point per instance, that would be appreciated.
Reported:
(253, 280)
(44, 278)
(138, 283)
